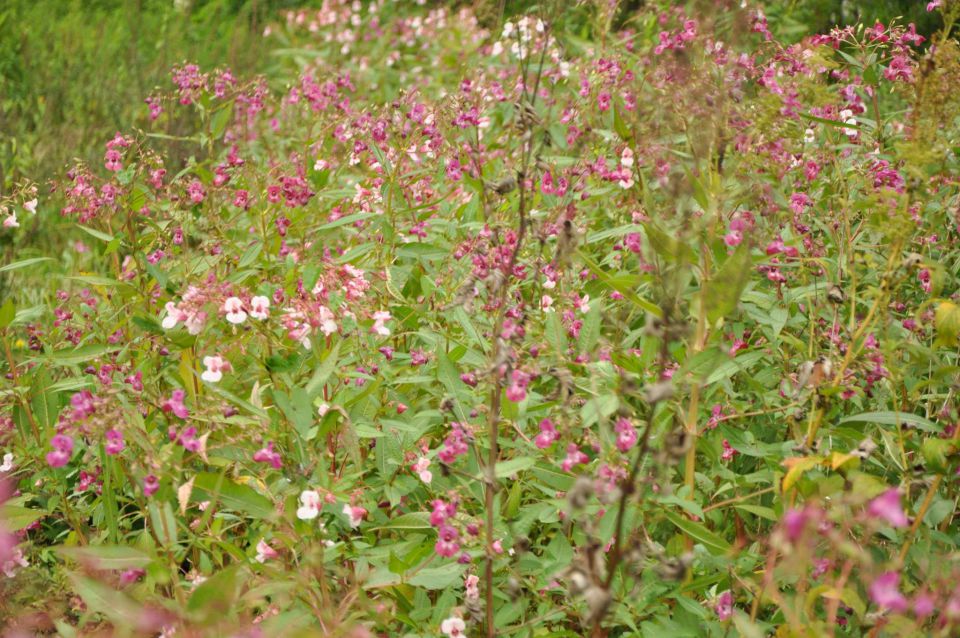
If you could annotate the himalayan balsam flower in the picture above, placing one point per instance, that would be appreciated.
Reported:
(150, 485)
(268, 455)
(62, 450)
(548, 434)
(175, 404)
(233, 307)
(887, 507)
(11, 221)
(15, 563)
(453, 627)
(724, 606)
(216, 366)
(420, 467)
(309, 505)
(260, 308)
(31, 206)
(114, 444)
(885, 592)
(265, 552)
(379, 319)
(354, 514)
(7, 462)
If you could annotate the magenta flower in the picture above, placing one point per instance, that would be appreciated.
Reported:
(268, 455)
(62, 450)
(724, 606)
(887, 507)
(150, 485)
(115, 442)
(885, 592)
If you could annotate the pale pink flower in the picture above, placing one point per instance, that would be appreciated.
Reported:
(327, 323)
(454, 627)
(420, 467)
(16, 562)
(216, 366)
(265, 552)
(11, 221)
(7, 462)
(379, 319)
(233, 307)
(31, 206)
(260, 308)
(885, 592)
(354, 514)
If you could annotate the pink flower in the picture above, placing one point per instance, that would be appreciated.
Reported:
(62, 450)
(150, 485)
(265, 552)
(268, 455)
(447, 544)
(441, 512)
(175, 404)
(354, 514)
(379, 319)
(626, 434)
(233, 307)
(728, 451)
(724, 606)
(420, 467)
(548, 434)
(11, 221)
(887, 507)
(196, 192)
(31, 206)
(216, 366)
(260, 308)
(115, 442)
(885, 592)
(934, 4)
(574, 457)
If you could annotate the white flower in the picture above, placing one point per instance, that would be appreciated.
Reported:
(309, 505)
(379, 318)
(264, 551)
(454, 627)
(216, 366)
(546, 303)
(626, 157)
(808, 136)
(323, 408)
(31, 206)
(194, 322)
(7, 462)
(233, 306)
(260, 308)
(173, 317)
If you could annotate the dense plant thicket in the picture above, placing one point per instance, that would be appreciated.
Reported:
(495, 332)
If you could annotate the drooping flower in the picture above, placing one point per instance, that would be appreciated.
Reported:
(420, 467)
(62, 446)
(888, 508)
(310, 504)
(268, 455)
(724, 606)
(548, 434)
(150, 485)
(265, 552)
(175, 404)
(216, 366)
(885, 592)
(31, 206)
(7, 462)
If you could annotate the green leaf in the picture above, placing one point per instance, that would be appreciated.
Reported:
(240, 498)
(93, 232)
(75, 356)
(320, 376)
(8, 313)
(449, 377)
(17, 265)
(214, 597)
(894, 418)
(721, 293)
(699, 533)
(16, 518)
(164, 523)
(106, 557)
(947, 322)
(413, 520)
(514, 466)
(115, 605)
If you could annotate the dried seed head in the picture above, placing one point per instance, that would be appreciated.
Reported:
(912, 260)
(657, 392)
(578, 579)
(835, 295)
(674, 568)
(676, 443)
(865, 449)
(504, 185)
(598, 600)
(579, 495)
